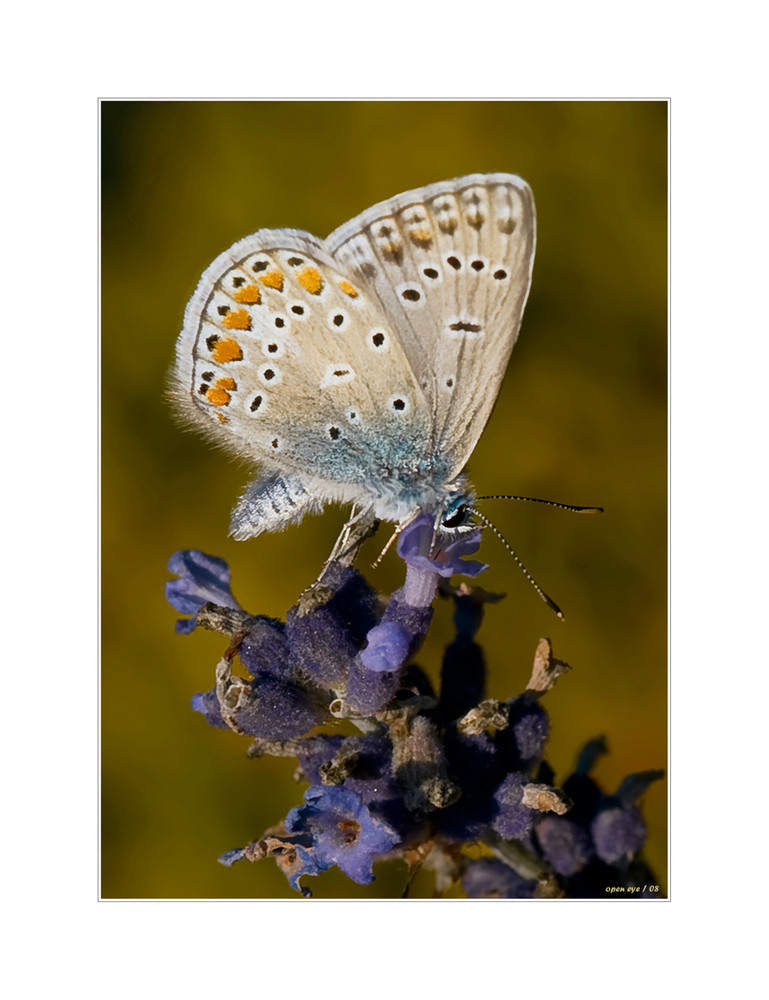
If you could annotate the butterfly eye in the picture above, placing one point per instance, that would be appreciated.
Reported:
(457, 519)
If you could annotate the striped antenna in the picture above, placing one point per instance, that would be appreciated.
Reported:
(548, 600)
(549, 503)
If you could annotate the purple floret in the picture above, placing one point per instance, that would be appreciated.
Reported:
(207, 703)
(421, 548)
(202, 578)
(343, 831)
(429, 555)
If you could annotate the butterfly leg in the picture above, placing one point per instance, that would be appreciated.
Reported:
(342, 543)
(360, 526)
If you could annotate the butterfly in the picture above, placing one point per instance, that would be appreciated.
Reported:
(361, 369)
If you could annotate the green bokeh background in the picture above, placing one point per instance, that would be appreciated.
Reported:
(581, 418)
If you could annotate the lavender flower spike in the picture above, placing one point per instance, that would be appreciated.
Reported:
(433, 771)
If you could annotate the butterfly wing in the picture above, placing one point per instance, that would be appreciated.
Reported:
(451, 265)
(274, 363)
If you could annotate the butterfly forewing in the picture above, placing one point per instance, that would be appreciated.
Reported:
(451, 264)
(275, 362)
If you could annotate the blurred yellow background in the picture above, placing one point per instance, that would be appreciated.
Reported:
(581, 418)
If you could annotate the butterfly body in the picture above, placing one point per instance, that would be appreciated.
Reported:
(361, 369)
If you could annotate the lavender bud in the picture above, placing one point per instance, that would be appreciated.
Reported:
(488, 878)
(565, 844)
(513, 820)
(618, 833)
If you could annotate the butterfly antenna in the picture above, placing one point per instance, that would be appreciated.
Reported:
(549, 503)
(548, 600)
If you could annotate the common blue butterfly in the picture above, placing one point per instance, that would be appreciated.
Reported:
(361, 368)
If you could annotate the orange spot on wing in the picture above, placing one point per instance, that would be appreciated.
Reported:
(250, 295)
(421, 235)
(222, 419)
(348, 289)
(227, 350)
(310, 279)
(237, 320)
(272, 279)
(217, 396)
